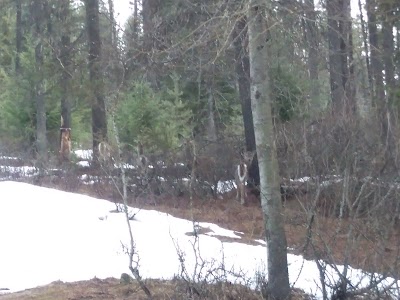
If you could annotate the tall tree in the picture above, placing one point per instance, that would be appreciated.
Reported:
(39, 18)
(65, 80)
(390, 81)
(152, 40)
(388, 47)
(113, 25)
(18, 35)
(99, 118)
(366, 50)
(261, 101)
(340, 56)
(377, 67)
(242, 69)
(311, 31)
(376, 63)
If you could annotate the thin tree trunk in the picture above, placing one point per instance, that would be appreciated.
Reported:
(65, 59)
(313, 53)
(366, 50)
(39, 18)
(335, 57)
(242, 67)
(211, 128)
(350, 86)
(388, 50)
(136, 20)
(376, 64)
(112, 21)
(41, 139)
(388, 54)
(99, 119)
(18, 36)
(379, 98)
(261, 100)
(150, 42)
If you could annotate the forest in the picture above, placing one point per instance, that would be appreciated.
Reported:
(186, 88)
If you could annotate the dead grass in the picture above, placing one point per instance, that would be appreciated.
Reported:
(111, 288)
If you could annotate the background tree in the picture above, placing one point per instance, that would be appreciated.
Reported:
(99, 119)
(313, 40)
(242, 69)
(40, 17)
(65, 59)
(340, 56)
(18, 35)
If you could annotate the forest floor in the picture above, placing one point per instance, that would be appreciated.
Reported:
(328, 239)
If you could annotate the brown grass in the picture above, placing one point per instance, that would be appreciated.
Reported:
(111, 288)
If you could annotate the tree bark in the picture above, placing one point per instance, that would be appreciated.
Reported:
(335, 62)
(313, 53)
(39, 17)
(388, 50)
(151, 40)
(211, 129)
(99, 119)
(18, 36)
(340, 54)
(388, 54)
(242, 68)
(65, 60)
(135, 20)
(379, 97)
(366, 50)
(114, 37)
(376, 64)
(261, 101)
(348, 59)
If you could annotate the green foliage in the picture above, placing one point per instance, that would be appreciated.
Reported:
(195, 96)
(286, 93)
(6, 39)
(16, 110)
(155, 119)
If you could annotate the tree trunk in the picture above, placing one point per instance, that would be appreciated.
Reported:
(151, 41)
(278, 277)
(313, 53)
(376, 64)
(340, 52)
(136, 19)
(211, 129)
(18, 36)
(242, 67)
(379, 97)
(388, 50)
(366, 50)
(39, 17)
(41, 139)
(348, 60)
(388, 55)
(65, 59)
(335, 62)
(114, 37)
(99, 118)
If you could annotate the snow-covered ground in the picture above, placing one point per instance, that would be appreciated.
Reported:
(48, 235)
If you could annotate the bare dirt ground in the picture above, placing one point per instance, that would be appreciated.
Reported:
(328, 239)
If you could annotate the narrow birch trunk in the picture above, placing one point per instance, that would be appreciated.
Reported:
(278, 277)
